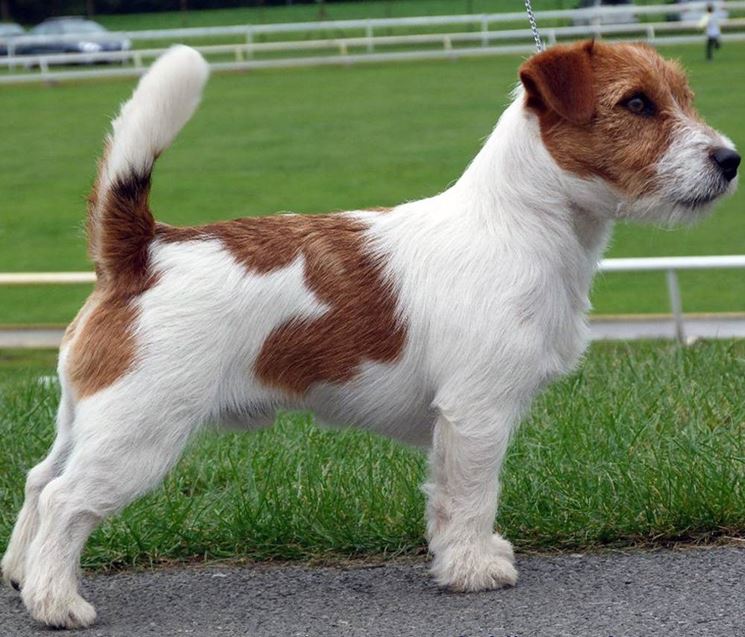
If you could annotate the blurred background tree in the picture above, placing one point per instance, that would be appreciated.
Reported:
(32, 11)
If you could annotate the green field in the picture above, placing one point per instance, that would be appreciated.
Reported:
(644, 445)
(330, 11)
(315, 140)
(311, 12)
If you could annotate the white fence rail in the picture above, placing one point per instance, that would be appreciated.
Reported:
(594, 15)
(366, 47)
(669, 265)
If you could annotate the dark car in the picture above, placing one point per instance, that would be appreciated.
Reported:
(71, 35)
(8, 31)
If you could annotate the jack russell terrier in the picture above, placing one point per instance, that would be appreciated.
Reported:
(435, 322)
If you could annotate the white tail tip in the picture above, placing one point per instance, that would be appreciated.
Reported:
(164, 100)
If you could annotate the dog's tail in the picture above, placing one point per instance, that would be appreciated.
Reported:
(120, 225)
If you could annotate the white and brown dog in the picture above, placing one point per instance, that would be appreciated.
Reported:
(435, 322)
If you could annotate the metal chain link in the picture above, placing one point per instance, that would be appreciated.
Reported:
(533, 26)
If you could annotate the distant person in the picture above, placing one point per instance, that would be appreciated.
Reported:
(713, 33)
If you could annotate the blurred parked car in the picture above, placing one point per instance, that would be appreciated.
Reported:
(620, 17)
(694, 14)
(72, 35)
(8, 31)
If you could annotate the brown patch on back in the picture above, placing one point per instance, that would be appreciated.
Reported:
(612, 143)
(360, 324)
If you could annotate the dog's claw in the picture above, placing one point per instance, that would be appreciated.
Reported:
(15, 585)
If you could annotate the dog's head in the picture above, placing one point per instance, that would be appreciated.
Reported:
(623, 117)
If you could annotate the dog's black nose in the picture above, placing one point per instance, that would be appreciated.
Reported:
(727, 160)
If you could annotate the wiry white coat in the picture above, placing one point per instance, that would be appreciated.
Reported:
(492, 279)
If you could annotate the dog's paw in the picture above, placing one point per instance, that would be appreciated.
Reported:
(65, 611)
(12, 571)
(503, 547)
(476, 567)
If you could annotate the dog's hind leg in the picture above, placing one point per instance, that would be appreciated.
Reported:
(125, 442)
(462, 502)
(38, 477)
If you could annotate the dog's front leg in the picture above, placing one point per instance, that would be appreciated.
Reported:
(462, 502)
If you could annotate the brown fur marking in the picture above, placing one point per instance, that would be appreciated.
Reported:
(612, 143)
(361, 324)
(120, 228)
(103, 350)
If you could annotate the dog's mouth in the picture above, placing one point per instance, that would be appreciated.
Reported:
(709, 195)
(698, 201)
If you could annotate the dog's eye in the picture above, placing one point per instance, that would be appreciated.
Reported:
(639, 104)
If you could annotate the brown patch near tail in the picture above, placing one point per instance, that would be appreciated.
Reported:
(361, 323)
(577, 92)
(120, 228)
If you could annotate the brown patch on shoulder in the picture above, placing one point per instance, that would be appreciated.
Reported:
(606, 140)
(361, 323)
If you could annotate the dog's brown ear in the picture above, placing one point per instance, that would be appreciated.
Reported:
(560, 80)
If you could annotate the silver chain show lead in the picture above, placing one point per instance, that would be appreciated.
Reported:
(533, 26)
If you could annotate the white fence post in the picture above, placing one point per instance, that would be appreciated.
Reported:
(369, 36)
(249, 42)
(676, 305)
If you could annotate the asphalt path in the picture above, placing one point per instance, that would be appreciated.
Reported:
(681, 593)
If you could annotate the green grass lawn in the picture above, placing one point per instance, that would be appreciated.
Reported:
(644, 445)
(314, 140)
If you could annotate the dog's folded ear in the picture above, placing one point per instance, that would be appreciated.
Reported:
(560, 80)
